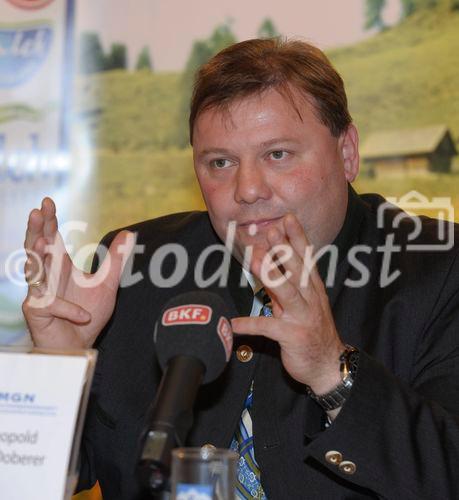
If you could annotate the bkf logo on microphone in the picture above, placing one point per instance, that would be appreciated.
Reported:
(189, 314)
(225, 333)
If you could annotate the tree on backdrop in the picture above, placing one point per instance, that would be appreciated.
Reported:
(267, 29)
(144, 60)
(201, 52)
(92, 58)
(221, 37)
(117, 58)
(373, 14)
(411, 6)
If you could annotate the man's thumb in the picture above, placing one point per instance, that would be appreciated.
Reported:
(116, 258)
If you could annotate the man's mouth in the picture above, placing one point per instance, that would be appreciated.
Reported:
(259, 223)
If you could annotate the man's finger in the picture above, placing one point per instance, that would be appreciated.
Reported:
(57, 264)
(299, 241)
(268, 327)
(293, 267)
(118, 253)
(286, 293)
(67, 310)
(48, 209)
(55, 307)
(295, 234)
(34, 228)
(34, 265)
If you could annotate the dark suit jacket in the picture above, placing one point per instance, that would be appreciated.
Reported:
(400, 425)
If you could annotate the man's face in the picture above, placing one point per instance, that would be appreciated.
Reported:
(259, 161)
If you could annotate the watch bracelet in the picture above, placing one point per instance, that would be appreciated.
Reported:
(338, 395)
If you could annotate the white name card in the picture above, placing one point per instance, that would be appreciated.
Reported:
(42, 399)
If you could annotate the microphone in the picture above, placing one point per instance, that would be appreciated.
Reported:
(193, 340)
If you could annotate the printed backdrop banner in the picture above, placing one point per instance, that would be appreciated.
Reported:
(35, 64)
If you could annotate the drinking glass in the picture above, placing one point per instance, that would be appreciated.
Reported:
(205, 473)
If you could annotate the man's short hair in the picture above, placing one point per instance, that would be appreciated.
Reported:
(253, 66)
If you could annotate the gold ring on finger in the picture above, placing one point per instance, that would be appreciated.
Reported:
(36, 284)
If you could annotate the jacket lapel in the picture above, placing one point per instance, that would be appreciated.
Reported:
(219, 404)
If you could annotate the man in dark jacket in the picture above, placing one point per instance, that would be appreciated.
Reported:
(355, 377)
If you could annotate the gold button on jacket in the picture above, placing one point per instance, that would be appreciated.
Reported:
(347, 467)
(244, 353)
(333, 457)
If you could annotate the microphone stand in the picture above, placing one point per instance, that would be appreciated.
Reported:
(171, 417)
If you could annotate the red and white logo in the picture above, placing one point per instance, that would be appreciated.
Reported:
(189, 314)
(225, 332)
(30, 4)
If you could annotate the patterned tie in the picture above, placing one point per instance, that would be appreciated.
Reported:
(248, 476)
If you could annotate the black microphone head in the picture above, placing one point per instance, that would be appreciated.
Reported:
(195, 324)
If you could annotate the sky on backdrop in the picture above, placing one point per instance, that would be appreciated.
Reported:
(169, 27)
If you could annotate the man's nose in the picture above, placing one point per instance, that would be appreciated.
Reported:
(251, 184)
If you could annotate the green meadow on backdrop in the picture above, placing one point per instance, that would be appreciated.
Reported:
(403, 77)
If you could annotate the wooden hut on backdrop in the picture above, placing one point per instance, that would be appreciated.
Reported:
(417, 150)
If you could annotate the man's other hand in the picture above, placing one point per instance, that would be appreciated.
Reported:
(302, 321)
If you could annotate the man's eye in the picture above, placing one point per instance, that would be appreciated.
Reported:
(278, 155)
(220, 163)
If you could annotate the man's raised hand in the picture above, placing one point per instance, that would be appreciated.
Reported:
(65, 307)
(302, 321)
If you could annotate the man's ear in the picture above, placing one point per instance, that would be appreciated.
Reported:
(349, 146)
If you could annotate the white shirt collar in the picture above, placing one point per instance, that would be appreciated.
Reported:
(253, 281)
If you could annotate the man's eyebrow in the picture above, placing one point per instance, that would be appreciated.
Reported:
(264, 144)
(210, 151)
(278, 140)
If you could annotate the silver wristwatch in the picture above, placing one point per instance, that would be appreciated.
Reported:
(349, 359)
